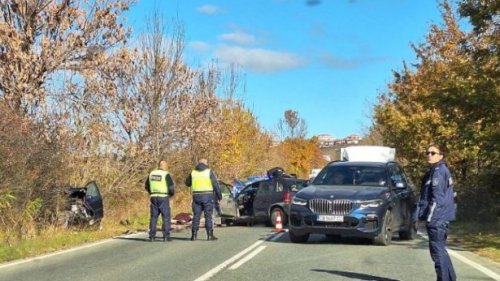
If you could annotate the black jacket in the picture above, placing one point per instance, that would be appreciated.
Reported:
(201, 167)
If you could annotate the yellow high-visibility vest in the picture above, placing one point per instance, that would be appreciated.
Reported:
(158, 185)
(200, 181)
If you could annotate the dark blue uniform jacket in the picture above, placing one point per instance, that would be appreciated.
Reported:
(436, 195)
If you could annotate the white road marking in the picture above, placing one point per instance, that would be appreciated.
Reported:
(467, 261)
(247, 258)
(215, 270)
(53, 254)
(65, 251)
(221, 266)
(475, 265)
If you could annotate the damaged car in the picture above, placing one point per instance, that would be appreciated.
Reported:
(261, 200)
(84, 206)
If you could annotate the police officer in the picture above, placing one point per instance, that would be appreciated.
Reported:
(160, 187)
(436, 207)
(205, 190)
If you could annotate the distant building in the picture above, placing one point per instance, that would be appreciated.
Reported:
(353, 139)
(326, 140)
(339, 142)
(325, 137)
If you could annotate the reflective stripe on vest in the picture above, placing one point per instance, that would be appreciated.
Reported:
(158, 183)
(200, 181)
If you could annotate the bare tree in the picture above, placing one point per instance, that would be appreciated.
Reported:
(39, 39)
(146, 93)
(291, 126)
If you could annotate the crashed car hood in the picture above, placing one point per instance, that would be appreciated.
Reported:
(342, 192)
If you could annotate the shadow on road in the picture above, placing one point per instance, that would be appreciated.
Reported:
(357, 276)
(158, 239)
(418, 243)
(133, 239)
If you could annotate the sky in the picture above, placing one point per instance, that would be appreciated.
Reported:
(326, 59)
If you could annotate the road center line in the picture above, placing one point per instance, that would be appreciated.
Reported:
(467, 261)
(221, 266)
(247, 258)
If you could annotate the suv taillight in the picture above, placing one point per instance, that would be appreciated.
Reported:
(287, 197)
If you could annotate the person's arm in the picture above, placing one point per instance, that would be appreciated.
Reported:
(439, 183)
(170, 185)
(146, 185)
(422, 209)
(188, 181)
(216, 186)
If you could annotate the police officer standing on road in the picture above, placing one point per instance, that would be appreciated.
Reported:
(205, 190)
(160, 187)
(436, 207)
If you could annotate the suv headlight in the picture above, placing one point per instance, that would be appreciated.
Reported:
(299, 201)
(370, 203)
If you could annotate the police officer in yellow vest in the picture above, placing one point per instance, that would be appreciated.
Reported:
(205, 191)
(160, 187)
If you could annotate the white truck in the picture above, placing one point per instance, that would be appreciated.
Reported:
(370, 153)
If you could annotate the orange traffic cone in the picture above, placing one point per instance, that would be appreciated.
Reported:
(279, 226)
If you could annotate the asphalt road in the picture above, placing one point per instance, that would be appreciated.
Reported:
(245, 253)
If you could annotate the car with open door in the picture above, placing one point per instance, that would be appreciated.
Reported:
(261, 200)
(84, 206)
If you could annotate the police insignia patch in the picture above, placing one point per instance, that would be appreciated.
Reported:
(156, 178)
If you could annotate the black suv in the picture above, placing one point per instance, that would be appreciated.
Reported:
(355, 199)
(261, 200)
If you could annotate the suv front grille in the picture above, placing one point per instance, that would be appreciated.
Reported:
(330, 207)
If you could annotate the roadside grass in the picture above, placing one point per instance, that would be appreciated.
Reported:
(132, 217)
(480, 238)
(55, 239)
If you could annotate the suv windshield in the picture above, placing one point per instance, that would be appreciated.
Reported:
(352, 175)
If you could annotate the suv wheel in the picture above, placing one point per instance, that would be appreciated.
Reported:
(385, 236)
(274, 216)
(298, 238)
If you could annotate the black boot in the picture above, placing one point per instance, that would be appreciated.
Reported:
(210, 235)
(193, 235)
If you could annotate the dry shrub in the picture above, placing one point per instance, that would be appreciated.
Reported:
(121, 208)
(32, 167)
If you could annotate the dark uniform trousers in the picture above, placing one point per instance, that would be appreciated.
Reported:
(203, 202)
(159, 205)
(438, 233)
